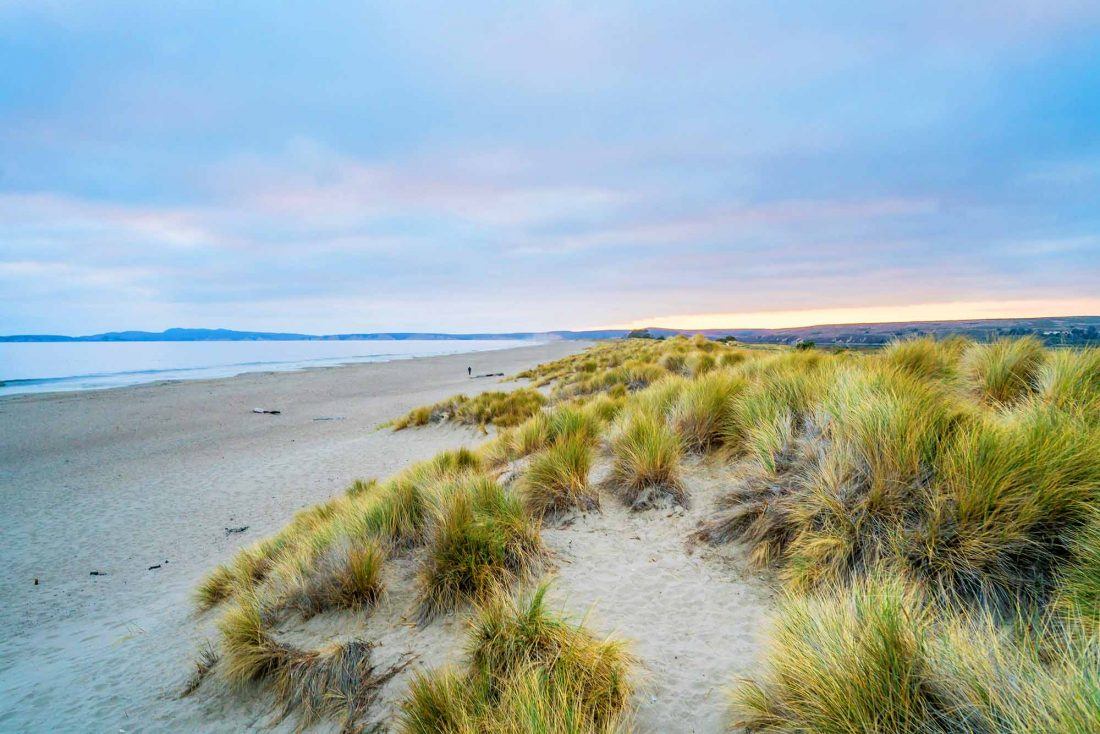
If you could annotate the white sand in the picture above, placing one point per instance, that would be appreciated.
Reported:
(694, 619)
(120, 480)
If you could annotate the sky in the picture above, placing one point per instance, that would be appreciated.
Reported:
(491, 166)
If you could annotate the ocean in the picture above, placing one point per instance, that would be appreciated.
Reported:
(65, 366)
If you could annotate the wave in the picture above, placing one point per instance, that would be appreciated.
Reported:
(93, 379)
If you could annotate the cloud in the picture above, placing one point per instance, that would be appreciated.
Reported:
(493, 166)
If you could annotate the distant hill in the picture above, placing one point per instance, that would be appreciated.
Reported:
(1056, 330)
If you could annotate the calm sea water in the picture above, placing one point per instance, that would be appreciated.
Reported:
(49, 367)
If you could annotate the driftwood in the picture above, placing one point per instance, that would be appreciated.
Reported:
(266, 412)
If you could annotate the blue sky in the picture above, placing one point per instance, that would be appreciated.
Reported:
(331, 167)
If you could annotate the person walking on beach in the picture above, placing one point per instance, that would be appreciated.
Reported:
(469, 371)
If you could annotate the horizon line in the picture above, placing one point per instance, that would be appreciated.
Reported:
(846, 315)
(642, 326)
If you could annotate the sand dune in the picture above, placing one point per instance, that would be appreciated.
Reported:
(120, 480)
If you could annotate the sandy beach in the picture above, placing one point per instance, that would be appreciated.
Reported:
(117, 481)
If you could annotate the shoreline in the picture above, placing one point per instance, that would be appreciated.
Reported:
(120, 480)
(305, 367)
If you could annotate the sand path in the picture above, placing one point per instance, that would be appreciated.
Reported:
(694, 618)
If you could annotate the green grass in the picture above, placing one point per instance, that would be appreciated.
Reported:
(527, 670)
(876, 656)
(557, 478)
(1003, 371)
(646, 458)
(925, 357)
(703, 409)
(481, 540)
(337, 681)
(501, 409)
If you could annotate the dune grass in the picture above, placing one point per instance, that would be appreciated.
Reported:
(855, 662)
(1070, 380)
(501, 409)
(1077, 595)
(583, 421)
(702, 411)
(925, 357)
(1015, 489)
(250, 651)
(891, 468)
(646, 458)
(347, 575)
(1002, 371)
(476, 538)
(876, 656)
(934, 516)
(526, 670)
(557, 478)
(331, 555)
(207, 657)
(932, 510)
(482, 540)
(337, 681)
(625, 367)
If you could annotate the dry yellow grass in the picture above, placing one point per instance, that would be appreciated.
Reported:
(932, 508)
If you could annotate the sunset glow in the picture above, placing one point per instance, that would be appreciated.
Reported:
(873, 315)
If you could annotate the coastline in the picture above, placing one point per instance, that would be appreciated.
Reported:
(184, 372)
(121, 479)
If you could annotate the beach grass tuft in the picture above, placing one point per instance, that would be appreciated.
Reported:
(336, 681)
(1003, 371)
(501, 409)
(876, 656)
(646, 457)
(482, 539)
(557, 478)
(703, 409)
(527, 669)
(205, 660)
